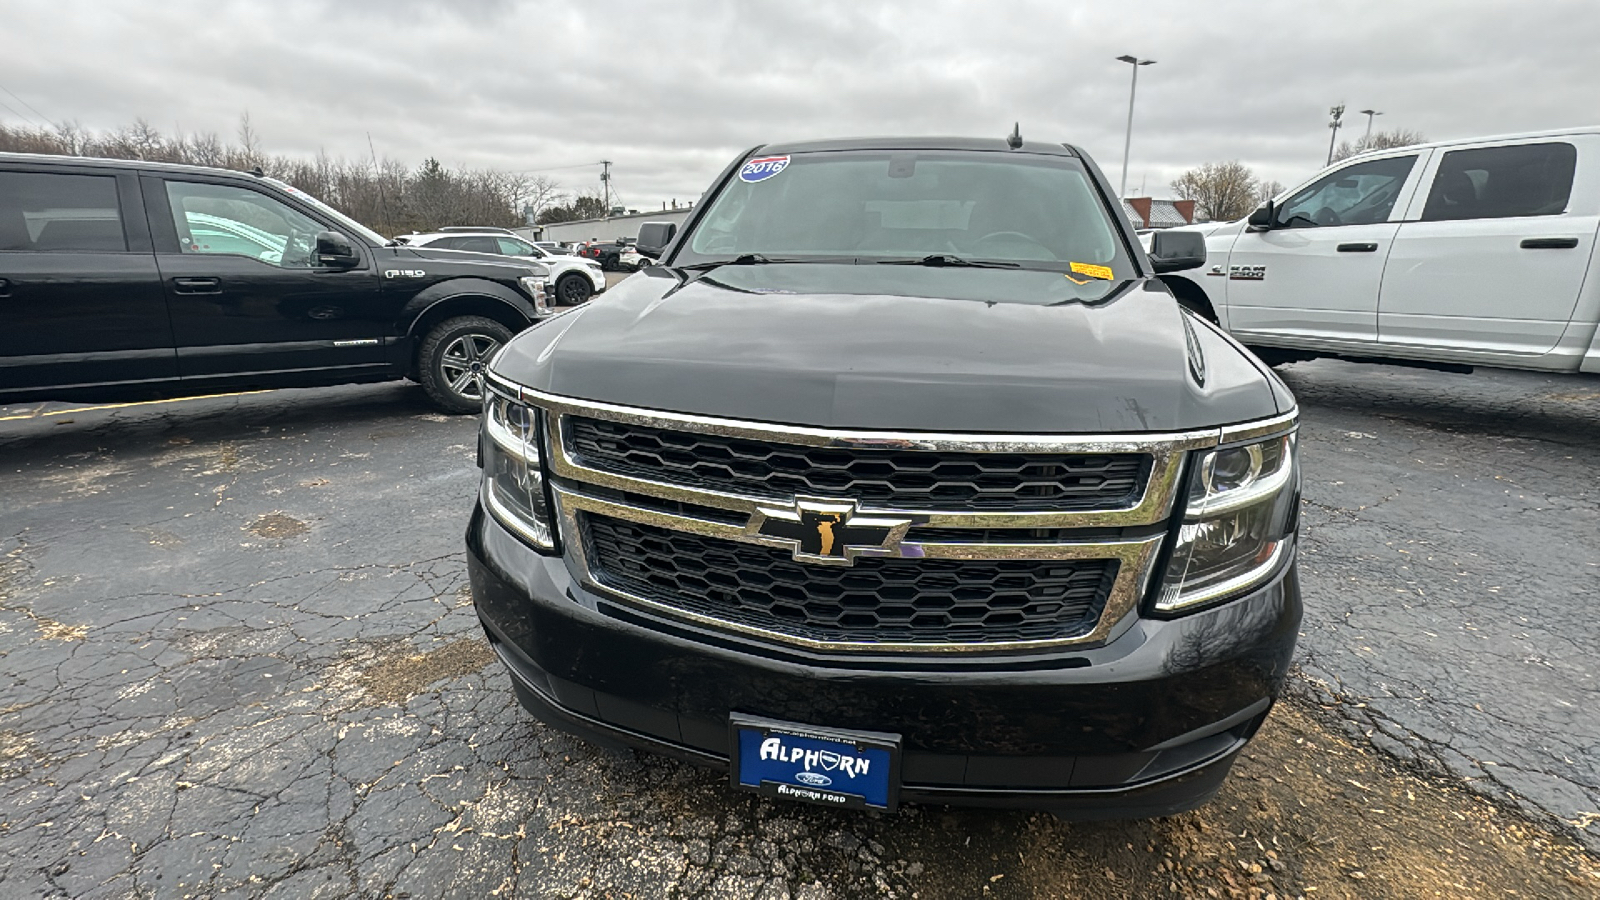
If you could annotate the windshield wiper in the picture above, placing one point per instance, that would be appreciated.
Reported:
(743, 259)
(945, 260)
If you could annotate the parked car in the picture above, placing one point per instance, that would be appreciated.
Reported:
(575, 280)
(900, 476)
(607, 253)
(479, 229)
(1447, 255)
(630, 259)
(132, 279)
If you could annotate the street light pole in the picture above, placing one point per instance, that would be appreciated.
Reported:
(1338, 113)
(1369, 114)
(1127, 141)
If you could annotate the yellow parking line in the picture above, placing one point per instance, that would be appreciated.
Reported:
(79, 409)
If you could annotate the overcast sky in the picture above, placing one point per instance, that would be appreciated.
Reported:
(670, 91)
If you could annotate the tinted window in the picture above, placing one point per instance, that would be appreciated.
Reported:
(1034, 210)
(214, 218)
(1501, 182)
(1361, 194)
(513, 247)
(41, 211)
(477, 244)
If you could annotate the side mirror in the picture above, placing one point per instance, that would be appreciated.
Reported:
(1263, 218)
(1174, 251)
(654, 238)
(334, 251)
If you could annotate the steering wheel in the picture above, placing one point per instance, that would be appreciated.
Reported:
(1326, 217)
(1006, 234)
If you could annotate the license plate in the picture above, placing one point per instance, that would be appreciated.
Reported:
(828, 766)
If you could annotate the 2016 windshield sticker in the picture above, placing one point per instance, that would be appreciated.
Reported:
(1101, 272)
(761, 169)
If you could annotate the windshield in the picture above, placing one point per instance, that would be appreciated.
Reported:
(375, 238)
(1032, 211)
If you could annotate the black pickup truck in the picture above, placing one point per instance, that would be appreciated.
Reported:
(137, 280)
(898, 477)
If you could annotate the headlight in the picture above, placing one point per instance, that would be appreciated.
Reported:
(534, 286)
(513, 480)
(1238, 525)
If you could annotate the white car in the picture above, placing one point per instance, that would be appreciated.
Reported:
(630, 259)
(1453, 254)
(572, 279)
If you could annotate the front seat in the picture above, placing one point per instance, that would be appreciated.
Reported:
(14, 229)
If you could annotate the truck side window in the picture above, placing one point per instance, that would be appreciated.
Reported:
(42, 211)
(1360, 194)
(1502, 182)
(214, 218)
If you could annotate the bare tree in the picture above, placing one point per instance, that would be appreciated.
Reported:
(1381, 140)
(386, 194)
(539, 193)
(1266, 190)
(1221, 191)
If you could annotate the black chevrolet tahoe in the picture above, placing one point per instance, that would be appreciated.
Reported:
(899, 476)
(129, 280)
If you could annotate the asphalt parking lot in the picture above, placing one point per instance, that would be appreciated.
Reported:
(240, 657)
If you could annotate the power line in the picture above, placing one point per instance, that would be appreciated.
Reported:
(28, 120)
(41, 115)
(556, 168)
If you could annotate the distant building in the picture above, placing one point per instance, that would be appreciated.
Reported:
(1147, 212)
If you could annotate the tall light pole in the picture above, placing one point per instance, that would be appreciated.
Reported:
(1338, 113)
(1369, 113)
(1127, 141)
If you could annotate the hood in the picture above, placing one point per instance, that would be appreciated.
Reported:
(892, 347)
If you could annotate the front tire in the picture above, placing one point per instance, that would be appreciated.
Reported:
(452, 357)
(573, 288)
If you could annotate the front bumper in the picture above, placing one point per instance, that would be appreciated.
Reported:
(1147, 724)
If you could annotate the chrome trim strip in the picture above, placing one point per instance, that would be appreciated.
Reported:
(1135, 558)
(872, 440)
(1263, 428)
(1166, 450)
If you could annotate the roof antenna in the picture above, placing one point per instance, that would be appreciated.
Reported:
(1014, 140)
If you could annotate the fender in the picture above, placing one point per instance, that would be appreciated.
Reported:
(433, 295)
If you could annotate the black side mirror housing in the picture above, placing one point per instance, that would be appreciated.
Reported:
(1263, 218)
(654, 238)
(334, 251)
(1175, 251)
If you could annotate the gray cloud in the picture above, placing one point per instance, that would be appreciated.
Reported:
(669, 92)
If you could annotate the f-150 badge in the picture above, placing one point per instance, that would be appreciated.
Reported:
(1247, 273)
(404, 273)
(827, 531)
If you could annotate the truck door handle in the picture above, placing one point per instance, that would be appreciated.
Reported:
(197, 285)
(1365, 247)
(1562, 243)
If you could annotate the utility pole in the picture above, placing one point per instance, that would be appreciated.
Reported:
(1337, 113)
(605, 187)
(1127, 141)
(1367, 141)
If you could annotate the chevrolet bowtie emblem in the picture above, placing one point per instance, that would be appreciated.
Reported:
(827, 531)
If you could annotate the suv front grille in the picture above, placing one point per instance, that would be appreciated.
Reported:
(883, 479)
(878, 600)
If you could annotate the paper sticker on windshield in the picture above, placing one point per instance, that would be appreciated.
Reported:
(1103, 272)
(761, 169)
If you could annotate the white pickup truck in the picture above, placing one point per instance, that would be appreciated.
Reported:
(1447, 255)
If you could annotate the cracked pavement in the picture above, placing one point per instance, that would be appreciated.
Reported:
(239, 655)
(1451, 564)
